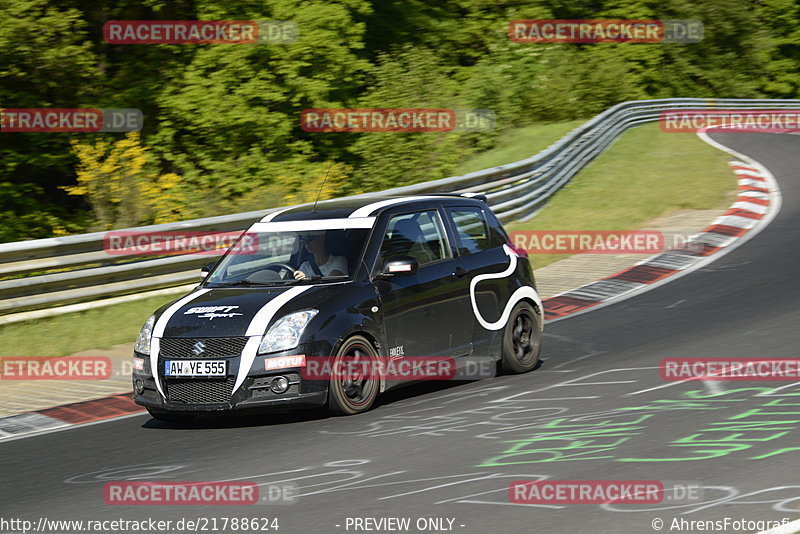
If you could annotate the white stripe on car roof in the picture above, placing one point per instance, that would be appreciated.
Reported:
(269, 216)
(319, 224)
(369, 209)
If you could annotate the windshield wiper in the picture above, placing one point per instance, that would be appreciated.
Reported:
(286, 282)
(248, 283)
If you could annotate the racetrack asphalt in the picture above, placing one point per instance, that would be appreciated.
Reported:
(595, 409)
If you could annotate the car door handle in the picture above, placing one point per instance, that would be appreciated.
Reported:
(460, 272)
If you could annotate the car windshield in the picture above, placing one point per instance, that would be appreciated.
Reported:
(290, 257)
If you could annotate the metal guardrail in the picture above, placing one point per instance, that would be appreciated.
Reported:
(80, 270)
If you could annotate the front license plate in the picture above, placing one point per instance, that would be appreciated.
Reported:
(180, 368)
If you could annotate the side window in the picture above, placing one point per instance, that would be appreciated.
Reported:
(471, 229)
(419, 235)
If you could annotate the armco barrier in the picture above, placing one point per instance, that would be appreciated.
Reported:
(515, 191)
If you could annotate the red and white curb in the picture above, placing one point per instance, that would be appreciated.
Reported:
(757, 204)
(69, 415)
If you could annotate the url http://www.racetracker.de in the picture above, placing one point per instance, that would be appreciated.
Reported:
(145, 525)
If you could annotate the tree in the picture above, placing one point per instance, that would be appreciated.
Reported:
(121, 187)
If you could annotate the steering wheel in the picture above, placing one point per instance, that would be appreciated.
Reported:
(283, 266)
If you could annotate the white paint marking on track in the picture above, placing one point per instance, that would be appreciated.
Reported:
(567, 383)
(713, 387)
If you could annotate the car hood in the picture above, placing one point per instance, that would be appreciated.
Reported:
(235, 312)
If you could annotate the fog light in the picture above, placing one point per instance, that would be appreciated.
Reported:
(139, 385)
(279, 384)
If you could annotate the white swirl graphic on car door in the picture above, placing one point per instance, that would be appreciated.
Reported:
(519, 294)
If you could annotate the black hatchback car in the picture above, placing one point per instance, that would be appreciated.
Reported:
(330, 305)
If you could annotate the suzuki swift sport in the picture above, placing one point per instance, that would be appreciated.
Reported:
(363, 284)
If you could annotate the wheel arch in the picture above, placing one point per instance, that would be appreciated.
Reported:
(373, 340)
(539, 311)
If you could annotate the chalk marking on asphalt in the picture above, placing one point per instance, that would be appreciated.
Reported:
(713, 387)
(675, 304)
(570, 382)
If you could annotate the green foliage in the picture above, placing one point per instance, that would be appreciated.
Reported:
(121, 186)
(45, 61)
(409, 78)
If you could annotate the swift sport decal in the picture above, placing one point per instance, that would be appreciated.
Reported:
(158, 331)
(519, 294)
(258, 327)
(210, 312)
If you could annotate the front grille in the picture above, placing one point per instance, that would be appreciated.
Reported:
(212, 347)
(200, 391)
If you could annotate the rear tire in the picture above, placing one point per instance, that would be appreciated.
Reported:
(170, 417)
(353, 392)
(522, 340)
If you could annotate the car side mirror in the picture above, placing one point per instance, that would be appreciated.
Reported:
(399, 265)
(207, 269)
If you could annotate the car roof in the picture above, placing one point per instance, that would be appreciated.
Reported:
(371, 206)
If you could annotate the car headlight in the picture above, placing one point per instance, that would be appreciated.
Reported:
(143, 341)
(285, 333)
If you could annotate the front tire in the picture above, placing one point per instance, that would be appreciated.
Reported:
(354, 383)
(522, 340)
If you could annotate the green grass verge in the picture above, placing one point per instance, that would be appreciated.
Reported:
(100, 328)
(518, 144)
(646, 174)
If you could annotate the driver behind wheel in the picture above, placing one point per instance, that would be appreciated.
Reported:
(327, 264)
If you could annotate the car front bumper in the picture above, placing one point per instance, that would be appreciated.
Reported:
(217, 395)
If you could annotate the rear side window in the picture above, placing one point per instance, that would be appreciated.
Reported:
(471, 230)
(417, 234)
